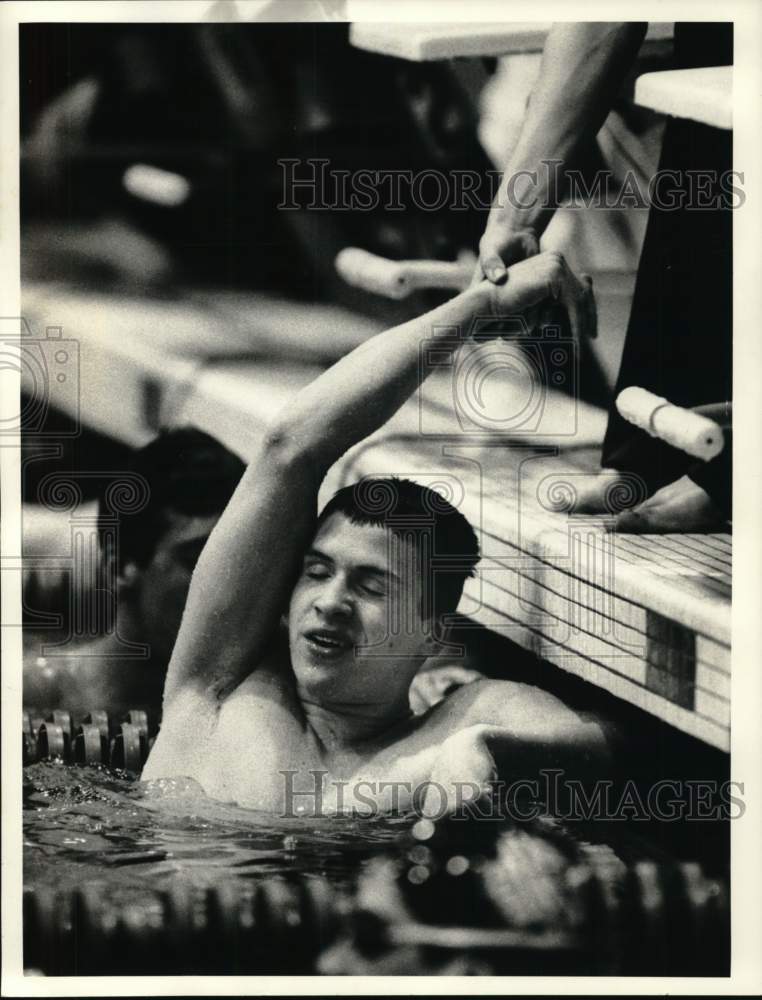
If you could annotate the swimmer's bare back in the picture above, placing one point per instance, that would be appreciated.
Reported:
(234, 716)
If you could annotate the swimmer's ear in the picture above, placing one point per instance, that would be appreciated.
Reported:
(128, 577)
(112, 577)
(437, 639)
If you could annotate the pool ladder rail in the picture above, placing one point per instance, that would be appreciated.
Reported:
(96, 738)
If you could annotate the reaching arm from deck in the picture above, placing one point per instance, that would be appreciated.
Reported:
(583, 67)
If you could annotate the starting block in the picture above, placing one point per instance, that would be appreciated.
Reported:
(423, 42)
(703, 95)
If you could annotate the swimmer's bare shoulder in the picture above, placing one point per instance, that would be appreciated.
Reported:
(520, 717)
(494, 702)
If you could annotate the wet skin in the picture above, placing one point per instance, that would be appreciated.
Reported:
(243, 703)
(330, 696)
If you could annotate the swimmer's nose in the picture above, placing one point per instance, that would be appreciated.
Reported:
(333, 601)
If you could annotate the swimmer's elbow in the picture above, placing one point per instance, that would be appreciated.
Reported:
(286, 450)
(526, 716)
(594, 745)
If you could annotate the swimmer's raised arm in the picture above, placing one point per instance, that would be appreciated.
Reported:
(248, 568)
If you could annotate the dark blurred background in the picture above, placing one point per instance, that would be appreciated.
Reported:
(218, 105)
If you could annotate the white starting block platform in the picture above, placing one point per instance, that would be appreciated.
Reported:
(422, 42)
(703, 95)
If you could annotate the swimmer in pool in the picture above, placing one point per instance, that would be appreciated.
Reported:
(190, 477)
(287, 690)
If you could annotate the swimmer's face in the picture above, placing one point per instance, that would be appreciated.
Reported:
(159, 589)
(356, 631)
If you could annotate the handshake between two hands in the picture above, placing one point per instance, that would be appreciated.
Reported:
(532, 283)
(537, 286)
(513, 257)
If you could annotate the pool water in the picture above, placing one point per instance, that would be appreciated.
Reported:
(139, 865)
(96, 824)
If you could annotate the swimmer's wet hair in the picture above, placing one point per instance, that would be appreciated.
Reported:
(187, 472)
(443, 537)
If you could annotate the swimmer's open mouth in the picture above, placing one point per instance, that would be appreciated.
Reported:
(328, 642)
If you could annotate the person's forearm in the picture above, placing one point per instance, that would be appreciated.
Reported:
(363, 390)
(583, 67)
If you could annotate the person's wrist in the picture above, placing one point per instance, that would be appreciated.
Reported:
(508, 229)
(504, 244)
(480, 298)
